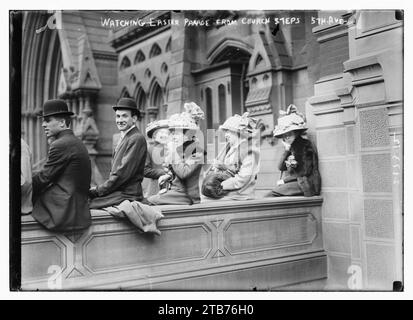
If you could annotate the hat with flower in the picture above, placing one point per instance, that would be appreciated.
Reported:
(155, 125)
(290, 120)
(188, 119)
(241, 124)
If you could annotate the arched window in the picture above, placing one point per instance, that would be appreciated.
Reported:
(208, 99)
(124, 93)
(222, 104)
(164, 68)
(157, 96)
(125, 63)
(155, 51)
(141, 103)
(168, 45)
(140, 57)
(141, 99)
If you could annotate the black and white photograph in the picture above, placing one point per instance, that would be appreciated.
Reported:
(207, 150)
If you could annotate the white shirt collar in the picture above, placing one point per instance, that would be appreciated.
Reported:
(123, 133)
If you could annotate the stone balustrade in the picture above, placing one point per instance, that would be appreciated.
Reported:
(223, 245)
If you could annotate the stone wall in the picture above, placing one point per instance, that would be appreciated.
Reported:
(358, 117)
(226, 245)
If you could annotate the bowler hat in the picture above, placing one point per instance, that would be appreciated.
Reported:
(54, 107)
(128, 104)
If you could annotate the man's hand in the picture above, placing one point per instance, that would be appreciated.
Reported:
(93, 193)
(163, 179)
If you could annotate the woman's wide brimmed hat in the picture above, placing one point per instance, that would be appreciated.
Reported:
(290, 120)
(241, 124)
(188, 119)
(155, 125)
(128, 104)
(55, 107)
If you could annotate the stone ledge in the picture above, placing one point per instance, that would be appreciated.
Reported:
(263, 243)
(207, 208)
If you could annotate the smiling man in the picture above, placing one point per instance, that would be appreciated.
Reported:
(125, 178)
(60, 189)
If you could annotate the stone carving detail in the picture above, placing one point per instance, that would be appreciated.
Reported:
(74, 274)
(218, 254)
(217, 223)
(264, 108)
(88, 131)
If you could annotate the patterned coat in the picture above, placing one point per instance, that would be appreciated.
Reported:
(186, 169)
(126, 174)
(61, 187)
(244, 160)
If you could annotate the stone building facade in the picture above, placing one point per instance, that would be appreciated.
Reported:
(346, 77)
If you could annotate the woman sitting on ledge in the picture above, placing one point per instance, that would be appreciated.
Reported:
(234, 173)
(299, 163)
(155, 167)
(185, 158)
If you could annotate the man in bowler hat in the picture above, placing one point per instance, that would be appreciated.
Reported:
(126, 174)
(60, 189)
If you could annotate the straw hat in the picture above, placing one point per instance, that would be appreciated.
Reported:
(188, 119)
(155, 125)
(242, 124)
(290, 120)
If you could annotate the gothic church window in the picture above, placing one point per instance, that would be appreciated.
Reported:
(140, 57)
(222, 104)
(208, 98)
(125, 63)
(155, 51)
(125, 93)
(168, 45)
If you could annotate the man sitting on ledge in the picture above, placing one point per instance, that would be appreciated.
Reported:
(121, 192)
(60, 189)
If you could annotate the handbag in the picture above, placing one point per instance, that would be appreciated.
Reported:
(211, 186)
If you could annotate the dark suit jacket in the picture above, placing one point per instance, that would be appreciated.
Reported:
(126, 174)
(61, 188)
